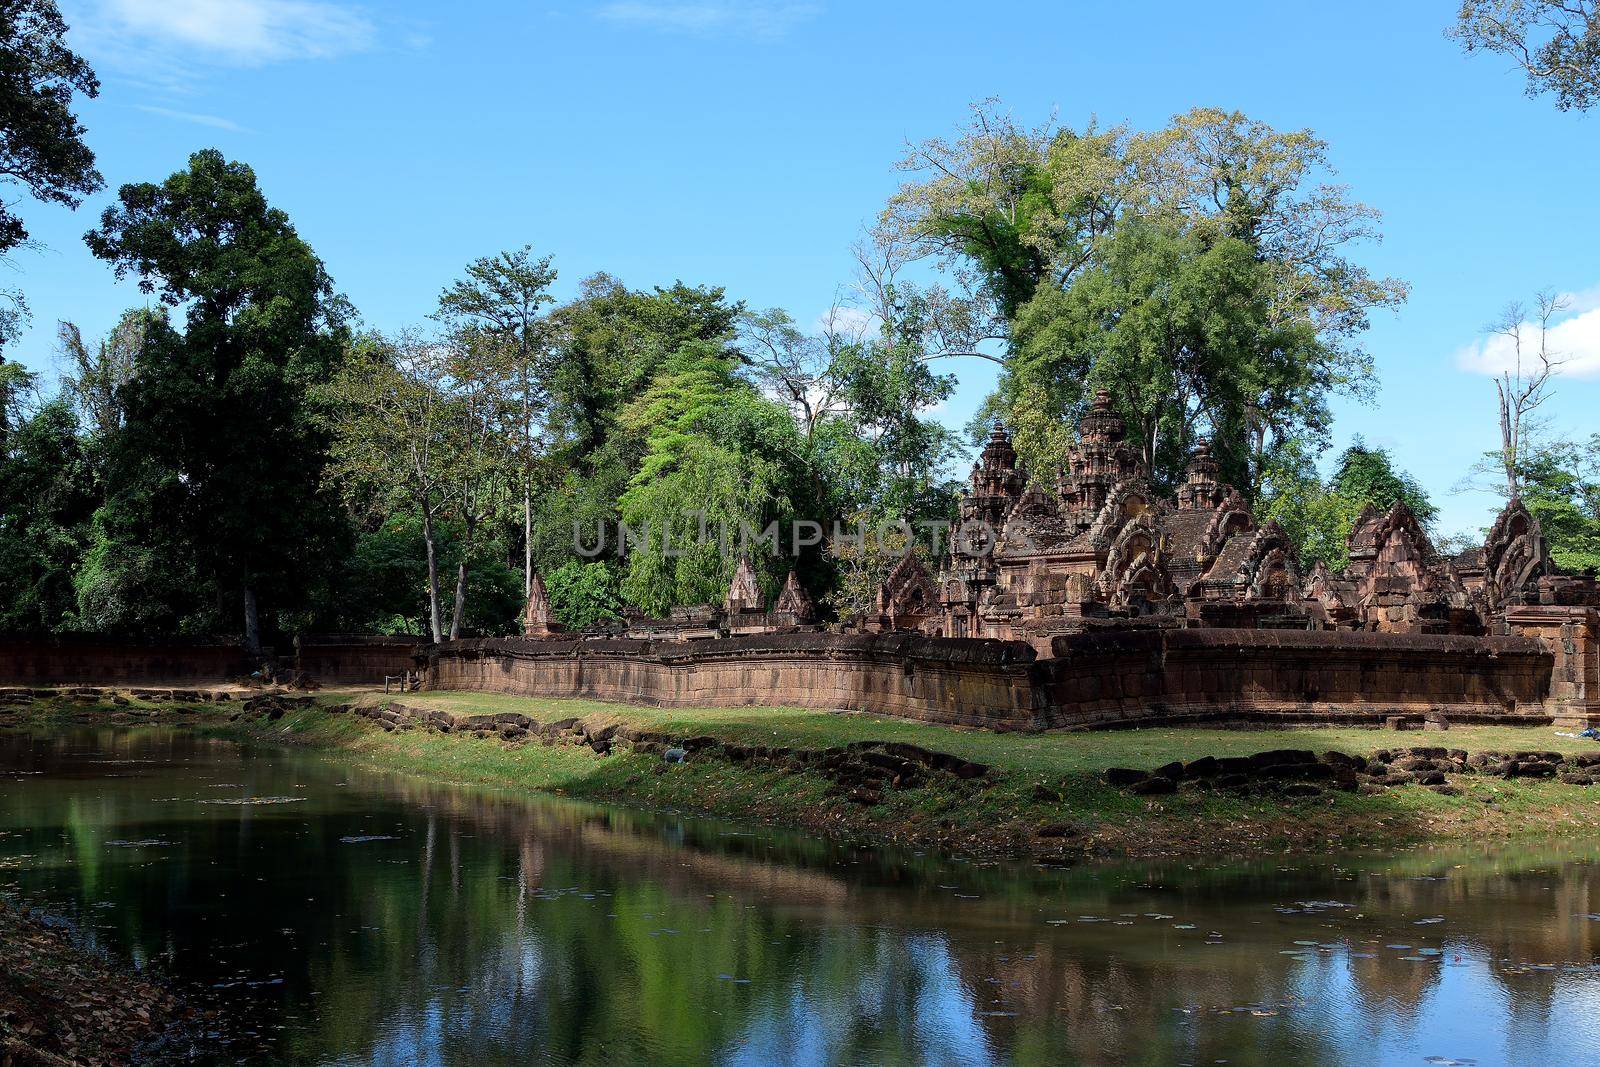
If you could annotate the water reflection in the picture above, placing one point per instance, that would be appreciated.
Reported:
(353, 917)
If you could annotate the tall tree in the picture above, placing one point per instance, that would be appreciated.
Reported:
(1555, 42)
(502, 296)
(389, 416)
(225, 406)
(98, 375)
(483, 413)
(41, 140)
(1058, 234)
(47, 497)
(1560, 484)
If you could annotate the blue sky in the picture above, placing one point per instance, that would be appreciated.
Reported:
(746, 143)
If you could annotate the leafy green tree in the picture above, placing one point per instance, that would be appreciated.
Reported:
(1560, 484)
(389, 418)
(480, 445)
(1202, 271)
(1318, 516)
(1012, 209)
(41, 140)
(502, 297)
(47, 497)
(610, 342)
(720, 463)
(1555, 42)
(220, 415)
(1177, 326)
(584, 593)
(608, 346)
(98, 375)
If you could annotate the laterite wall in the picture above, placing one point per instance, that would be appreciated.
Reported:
(1146, 677)
(959, 681)
(91, 659)
(350, 659)
(1186, 675)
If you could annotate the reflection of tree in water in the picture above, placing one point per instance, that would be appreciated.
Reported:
(491, 923)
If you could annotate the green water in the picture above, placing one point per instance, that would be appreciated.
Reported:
(343, 916)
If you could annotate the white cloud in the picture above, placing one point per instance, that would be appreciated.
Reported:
(214, 121)
(766, 19)
(226, 32)
(1574, 338)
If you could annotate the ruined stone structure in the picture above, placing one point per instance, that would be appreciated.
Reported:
(743, 611)
(537, 618)
(1099, 549)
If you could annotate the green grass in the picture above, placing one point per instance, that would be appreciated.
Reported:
(1037, 780)
(1056, 753)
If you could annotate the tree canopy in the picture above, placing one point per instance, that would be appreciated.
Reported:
(1555, 42)
(220, 453)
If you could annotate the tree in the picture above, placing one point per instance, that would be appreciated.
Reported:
(1177, 325)
(41, 140)
(1318, 516)
(720, 463)
(389, 419)
(583, 593)
(1012, 209)
(1523, 385)
(1555, 42)
(1203, 271)
(480, 425)
(47, 497)
(223, 409)
(502, 296)
(97, 377)
(609, 344)
(1560, 485)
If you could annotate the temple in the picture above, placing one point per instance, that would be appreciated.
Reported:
(1100, 549)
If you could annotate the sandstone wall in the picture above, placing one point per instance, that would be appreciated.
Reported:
(352, 659)
(1109, 679)
(1151, 677)
(959, 681)
(92, 659)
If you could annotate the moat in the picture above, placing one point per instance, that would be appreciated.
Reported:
(340, 915)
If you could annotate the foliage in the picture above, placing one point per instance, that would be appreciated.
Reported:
(719, 464)
(1202, 271)
(583, 593)
(41, 140)
(48, 496)
(1318, 516)
(499, 301)
(96, 377)
(1555, 42)
(1176, 326)
(1560, 484)
(220, 453)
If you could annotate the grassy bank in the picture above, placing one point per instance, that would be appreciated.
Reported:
(1042, 794)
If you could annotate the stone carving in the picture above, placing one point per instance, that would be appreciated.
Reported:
(744, 594)
(537, 618)
(1099, 545)
(795, 602)
(1515, 557)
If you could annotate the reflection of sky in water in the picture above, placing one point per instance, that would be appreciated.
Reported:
(383, 920)
(809, 1027)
